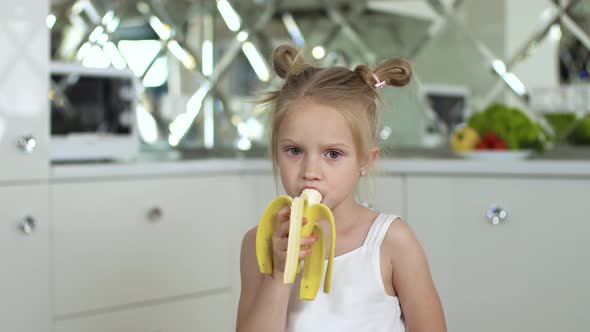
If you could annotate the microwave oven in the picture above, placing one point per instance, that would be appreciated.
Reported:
(93, 113)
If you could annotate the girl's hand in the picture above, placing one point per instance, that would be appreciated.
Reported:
(280, 239)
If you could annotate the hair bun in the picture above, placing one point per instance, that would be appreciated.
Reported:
(288, 61)
(396, 72)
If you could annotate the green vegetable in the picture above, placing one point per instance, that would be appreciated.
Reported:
(562, 123)
(512, 125)
(581, 135)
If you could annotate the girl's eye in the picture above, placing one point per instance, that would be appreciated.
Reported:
(334, 154)
(294, 151)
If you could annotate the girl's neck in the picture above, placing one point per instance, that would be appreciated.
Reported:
(348, 213)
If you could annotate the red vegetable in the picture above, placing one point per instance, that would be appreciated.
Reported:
(491, 141)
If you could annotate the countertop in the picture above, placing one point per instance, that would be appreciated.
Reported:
(402, 166)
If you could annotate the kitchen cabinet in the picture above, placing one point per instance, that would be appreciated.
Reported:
(25, 303)
(184, 315)
(24, 85)
(124, 245)
(384, 193)
(522, 266)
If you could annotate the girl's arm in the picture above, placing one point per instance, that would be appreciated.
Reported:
(263, 299)
(412, 281)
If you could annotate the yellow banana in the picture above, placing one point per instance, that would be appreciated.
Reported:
(307, 205)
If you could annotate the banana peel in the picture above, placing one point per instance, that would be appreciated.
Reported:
(308, 206)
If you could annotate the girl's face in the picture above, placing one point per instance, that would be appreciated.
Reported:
(316, 149)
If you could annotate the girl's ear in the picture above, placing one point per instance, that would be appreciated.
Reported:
(370, 157)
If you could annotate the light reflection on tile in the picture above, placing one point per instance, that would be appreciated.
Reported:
(19, 30)
(23, 92)
(8, 52)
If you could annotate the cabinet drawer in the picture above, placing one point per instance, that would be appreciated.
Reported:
(528, 271)
(200, 314)
(24, 255)
(126, 242)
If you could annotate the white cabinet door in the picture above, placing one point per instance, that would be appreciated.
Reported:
(385, 194)
(529, 272)
(191, 315)
(121, 244)
(262, 190)
(24, 259)
(24, 80)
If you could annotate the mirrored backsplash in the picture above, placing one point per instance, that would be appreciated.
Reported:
(202, 64)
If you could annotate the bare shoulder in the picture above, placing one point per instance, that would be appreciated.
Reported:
(412, 280)
(248, 252)
(249, 238)
(400, 238)
(404, 250)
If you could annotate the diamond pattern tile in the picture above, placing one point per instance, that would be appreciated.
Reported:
(8, 52)
(24, 81)
(23, 68)
(23, 91)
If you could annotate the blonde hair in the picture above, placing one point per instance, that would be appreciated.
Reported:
(353, 92)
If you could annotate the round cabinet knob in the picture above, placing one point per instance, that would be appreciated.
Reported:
(27, 143)
(154, 214)
(496, 214)
(27, 225)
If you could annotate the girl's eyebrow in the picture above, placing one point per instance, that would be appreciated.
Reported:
(329, 145)
(340, 146)
(287, 140)
(290, 141)
(336, 145)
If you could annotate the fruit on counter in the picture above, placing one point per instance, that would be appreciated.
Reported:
(464, 138)
(512, 125)
(306, 205)
(491, 141)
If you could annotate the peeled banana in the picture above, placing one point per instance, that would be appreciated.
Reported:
(308, 206)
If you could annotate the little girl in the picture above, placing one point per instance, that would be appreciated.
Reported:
(323, 135)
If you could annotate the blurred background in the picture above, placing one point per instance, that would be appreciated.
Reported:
(201, 65)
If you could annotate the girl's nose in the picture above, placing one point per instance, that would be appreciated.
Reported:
(310, 176)
(311, 170)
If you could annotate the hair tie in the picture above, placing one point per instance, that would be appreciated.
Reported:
(380, 84)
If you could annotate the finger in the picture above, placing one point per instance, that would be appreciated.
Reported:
(280, 244)
(304, 253)
(281, 255)
(284, 214)
(309, 240)
(283, 230)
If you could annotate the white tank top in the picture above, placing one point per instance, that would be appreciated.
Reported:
(357, 300)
